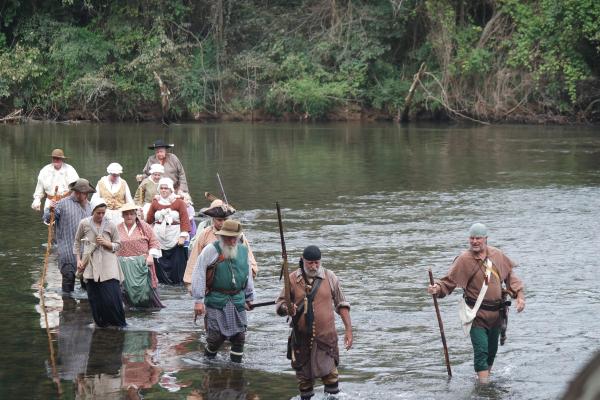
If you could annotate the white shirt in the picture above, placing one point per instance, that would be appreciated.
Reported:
(49, 178)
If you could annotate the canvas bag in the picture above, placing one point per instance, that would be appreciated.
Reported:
(467, 314)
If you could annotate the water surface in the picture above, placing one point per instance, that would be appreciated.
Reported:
(384, 203)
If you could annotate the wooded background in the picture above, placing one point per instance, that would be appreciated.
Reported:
(490, 60)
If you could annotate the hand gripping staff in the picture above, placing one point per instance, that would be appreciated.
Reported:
(441, 324)
(284, 267)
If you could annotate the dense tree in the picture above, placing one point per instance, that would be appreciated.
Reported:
(489, 60)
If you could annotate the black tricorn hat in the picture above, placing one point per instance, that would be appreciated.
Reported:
(160, 143)
(218, 209)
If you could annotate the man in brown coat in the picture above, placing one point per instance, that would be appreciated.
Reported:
(470, 270)
(316, 294)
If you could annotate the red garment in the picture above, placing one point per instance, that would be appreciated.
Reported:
(177, 205)
(140, 242)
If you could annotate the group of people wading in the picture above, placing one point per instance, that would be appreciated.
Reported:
(121, 246)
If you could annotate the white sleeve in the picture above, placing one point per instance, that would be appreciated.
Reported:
(128, 198)
(39, 188)
(208, 256)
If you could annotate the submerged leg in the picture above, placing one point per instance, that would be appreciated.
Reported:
(237, 347)
(214, 340)
(331, 382)
(68, 277)
(305, 386)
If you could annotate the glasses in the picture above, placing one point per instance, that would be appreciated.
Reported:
(56, 159)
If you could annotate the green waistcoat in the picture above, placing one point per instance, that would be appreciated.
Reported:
(230, 275)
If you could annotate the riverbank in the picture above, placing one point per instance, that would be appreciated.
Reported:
(490, 61)
(347, 114)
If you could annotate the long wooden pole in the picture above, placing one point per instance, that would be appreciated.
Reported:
(441, 324)
(284, 266)
(42, 283)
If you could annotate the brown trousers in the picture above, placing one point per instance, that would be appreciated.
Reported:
(306, 385)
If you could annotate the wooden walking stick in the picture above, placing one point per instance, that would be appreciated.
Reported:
(49, 244)
(42, 282)
(441, 324)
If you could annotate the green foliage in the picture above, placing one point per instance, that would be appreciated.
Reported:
(17, 68)
(307, 57)
(548, 41)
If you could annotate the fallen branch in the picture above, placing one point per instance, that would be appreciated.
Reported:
(444, 102)
(411, 93)
(13, 116)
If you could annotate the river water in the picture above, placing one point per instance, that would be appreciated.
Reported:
(384, 203)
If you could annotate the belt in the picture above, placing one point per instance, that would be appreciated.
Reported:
(488, 305)
(172, 223)
(229, 292)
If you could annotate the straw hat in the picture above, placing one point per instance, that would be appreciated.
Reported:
(58, 153)
(97, 202)
(114, 168)
(81, 185)
(129, 207)
(231, 227)
(160, 143)
(218, 209)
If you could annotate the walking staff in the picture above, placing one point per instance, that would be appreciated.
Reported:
(441, 324)
(42, 282)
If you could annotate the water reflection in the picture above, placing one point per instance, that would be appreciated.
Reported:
(384, 202)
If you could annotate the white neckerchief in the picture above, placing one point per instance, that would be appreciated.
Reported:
(130, 231)
(168, 201)
(113, 187)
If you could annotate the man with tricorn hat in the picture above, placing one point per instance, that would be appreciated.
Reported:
(313, 345)
(480, 271)
(223, 288)
(56, 174)
(218, 212)
(67, 214)
(173, 167)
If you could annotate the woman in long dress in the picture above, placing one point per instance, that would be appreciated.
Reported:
(171, 226)
(98, 263)
(139, 248)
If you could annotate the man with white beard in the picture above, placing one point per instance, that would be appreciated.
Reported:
(316, 295)
(223, 288)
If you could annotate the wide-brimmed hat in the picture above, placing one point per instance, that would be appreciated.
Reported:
(114, 168)
(231, 227)
(218, 209)
(81, 185)
(58, 153)
(97, 202)
(157, 168)
(129, 207)
(160, 143)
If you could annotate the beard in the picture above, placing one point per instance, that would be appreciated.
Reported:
(311, 274)
(229, 252)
